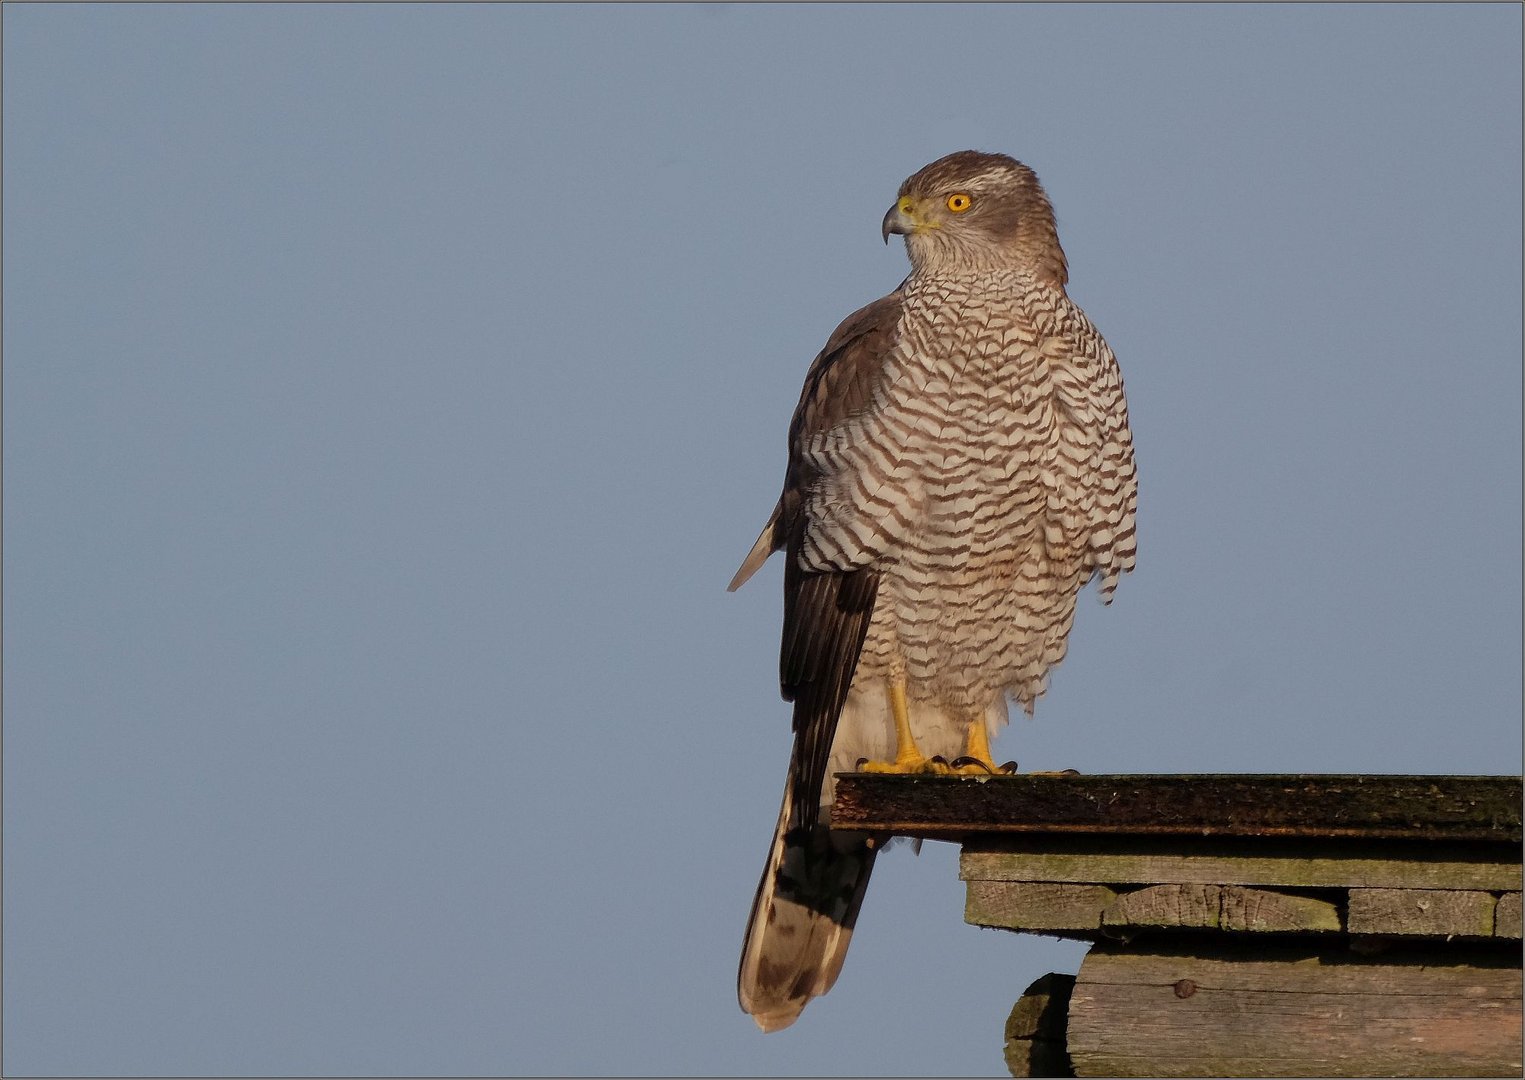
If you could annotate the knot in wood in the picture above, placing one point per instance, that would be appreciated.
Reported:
(1185, 988)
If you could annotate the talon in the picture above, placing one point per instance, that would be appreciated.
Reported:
(907, 766)
(1009, 768)
(908, 760)
(968, 762)
(858, 765)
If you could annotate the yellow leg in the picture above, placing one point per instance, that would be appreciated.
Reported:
(906, 751)
(978, 744)
(908, 757)
(977, 759)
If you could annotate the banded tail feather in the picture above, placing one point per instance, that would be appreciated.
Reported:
(802, 917)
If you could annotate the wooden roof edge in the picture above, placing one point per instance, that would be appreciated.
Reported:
(1342, 806)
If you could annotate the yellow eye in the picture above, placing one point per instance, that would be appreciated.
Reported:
(959, 203)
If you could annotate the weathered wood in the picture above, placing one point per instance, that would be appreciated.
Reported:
(1220, 907)
(1083, 910)
(1158, 861)
(1288, 1011)
(1506, 916)
(1035, 1030)
(1165, 905)
(1036, 906)
(1435, 912)
(1260, 911)
(1412, 885)
(1320, 806)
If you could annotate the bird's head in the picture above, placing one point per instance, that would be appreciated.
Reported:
(973, 211)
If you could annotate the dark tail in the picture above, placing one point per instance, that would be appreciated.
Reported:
(802, 919)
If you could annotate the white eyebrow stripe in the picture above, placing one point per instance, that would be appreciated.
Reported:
(984, 180)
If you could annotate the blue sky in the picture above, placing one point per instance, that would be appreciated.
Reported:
(390, 392)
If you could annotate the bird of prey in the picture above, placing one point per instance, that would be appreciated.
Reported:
(960, 466)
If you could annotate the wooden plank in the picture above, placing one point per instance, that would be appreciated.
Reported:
(1287, 1011)
(1485, 808)
(1083, 910)
(1305, 864)
(1037, 907)
(1506, 916)
(1035, 1039)
(1182, 906)
(1221, 907)
(1261, 911)
(1435, 912)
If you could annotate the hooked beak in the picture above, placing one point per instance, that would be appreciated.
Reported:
(900, 219)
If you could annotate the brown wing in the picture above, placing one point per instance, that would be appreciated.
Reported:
(826, 615)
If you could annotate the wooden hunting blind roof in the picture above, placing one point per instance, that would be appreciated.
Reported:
(1241, 925)
(1312, 805)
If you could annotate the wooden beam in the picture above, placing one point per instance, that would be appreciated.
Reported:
(1299, 864)
(1085, 911)
(1220, 907)
(1432, 912)
(1506, 916)
(1259, 911)
(1039, 907)
(1035, 1039)
(1292, 1011)
(1177, 906)
(1452, 808)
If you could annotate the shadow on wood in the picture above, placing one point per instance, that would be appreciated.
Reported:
(1035, 1030)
